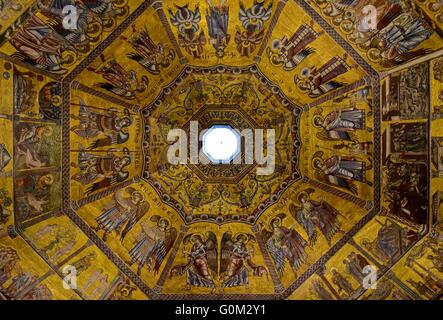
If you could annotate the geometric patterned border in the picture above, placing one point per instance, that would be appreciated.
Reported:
(273, 199)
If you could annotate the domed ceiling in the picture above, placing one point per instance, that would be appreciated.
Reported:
(342, 202)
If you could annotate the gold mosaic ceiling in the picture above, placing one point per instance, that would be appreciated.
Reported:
(86, 184)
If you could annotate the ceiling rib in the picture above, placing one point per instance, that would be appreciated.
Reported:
(321, 262)
(414, 62)
(102, 46)
(77, 85)
(280, 6)
(30, 223)
(166, 269)
(77, 204)
(66, 149)
(29, 67)
(66, 82)
(341, 194)
(340, 92)
(158, 6)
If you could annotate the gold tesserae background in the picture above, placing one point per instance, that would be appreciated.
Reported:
(92, 208)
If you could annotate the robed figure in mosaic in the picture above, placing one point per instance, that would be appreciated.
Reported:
(236, 260)
(313, 215)
(39, 45)
(112, 123)
(319, 81)
(289, 53)
(285, 245)
(121, 81)
(153, 244)
(153, 57)
(128, 207)
(101, 170)
(402, 35)
(341, 171)
(217, 17)
(8, 261)
(202, 265)
(340, 124)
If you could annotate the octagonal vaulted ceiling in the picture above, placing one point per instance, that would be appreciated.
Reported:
(91, 184)
(231, 96)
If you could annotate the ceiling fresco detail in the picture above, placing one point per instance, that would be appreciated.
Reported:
(345, 96)
(383, 41)
(230, 96)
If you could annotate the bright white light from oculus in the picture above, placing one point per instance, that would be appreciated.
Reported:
(221, 144)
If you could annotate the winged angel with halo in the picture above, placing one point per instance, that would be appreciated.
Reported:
(313, 215)
(202, 266)
(285, 245)
(127, 208)
(236, 260)
(153, 244)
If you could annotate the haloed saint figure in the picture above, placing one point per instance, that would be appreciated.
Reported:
(201, 267)
(126, 209)
(153, 244)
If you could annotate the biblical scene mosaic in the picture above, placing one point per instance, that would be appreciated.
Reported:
(342, 202)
